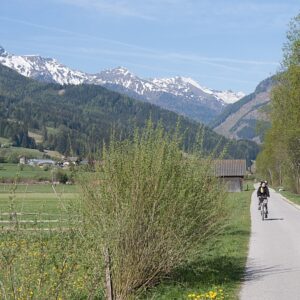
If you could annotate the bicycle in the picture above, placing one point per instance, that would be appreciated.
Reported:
(264, 208)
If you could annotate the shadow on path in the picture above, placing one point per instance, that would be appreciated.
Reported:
(274, 219)
(258, 272)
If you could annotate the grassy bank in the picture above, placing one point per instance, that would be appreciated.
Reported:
(291, 196)
(221, 268)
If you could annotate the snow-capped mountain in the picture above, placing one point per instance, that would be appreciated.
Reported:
(180, 94)
(123, 77)
(182, 86)
(40, 68)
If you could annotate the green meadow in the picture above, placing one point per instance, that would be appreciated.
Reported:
(10, 171)
(217, 275)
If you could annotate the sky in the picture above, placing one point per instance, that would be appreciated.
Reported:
(222, 44)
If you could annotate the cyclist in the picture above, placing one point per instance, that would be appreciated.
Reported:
(268, 192)
(262, 193)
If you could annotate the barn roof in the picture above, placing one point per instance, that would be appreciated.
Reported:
(230, 167)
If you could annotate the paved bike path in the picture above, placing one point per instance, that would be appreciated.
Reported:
(273, 264)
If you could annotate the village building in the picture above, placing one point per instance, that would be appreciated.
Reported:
(231, 172)
(41, 162)
(22, 160)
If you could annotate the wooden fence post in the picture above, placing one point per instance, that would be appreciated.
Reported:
(108, 280)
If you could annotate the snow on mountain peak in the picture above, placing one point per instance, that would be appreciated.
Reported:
(181, 82)
(119, 71)
(229, 96)
(49, 69)
(192, 82)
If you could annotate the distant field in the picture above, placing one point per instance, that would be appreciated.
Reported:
(52, 130)
(10, 171)
(19, 151)
(36, 206)
(53, 154)
(34, 202)
(38, 137)
(37, 188)
(4, 140)
(15, 152)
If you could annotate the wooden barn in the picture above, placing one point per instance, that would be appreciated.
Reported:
(232, 172)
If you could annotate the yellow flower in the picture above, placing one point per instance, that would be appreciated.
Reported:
(193, 295)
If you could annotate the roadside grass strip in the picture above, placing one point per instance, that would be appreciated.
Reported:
(218, 273)
(295, 198)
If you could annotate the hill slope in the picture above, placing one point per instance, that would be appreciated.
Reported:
(78, 119)
(240, 119)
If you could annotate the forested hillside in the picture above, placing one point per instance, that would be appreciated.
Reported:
(79, 119)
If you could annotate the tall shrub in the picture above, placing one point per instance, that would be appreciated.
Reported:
(151, 206)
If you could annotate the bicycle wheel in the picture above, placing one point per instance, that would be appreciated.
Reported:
(262, 212)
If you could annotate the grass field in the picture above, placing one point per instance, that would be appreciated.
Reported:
(37, 136)
(219, 269)
(11, 171)
(37, 188)
(35, 205)
(12, 153)
(4, 140)
(223, 261)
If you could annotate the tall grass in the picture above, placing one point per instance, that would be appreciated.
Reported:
(151, 206)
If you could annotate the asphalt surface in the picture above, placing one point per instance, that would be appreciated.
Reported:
(273, 264)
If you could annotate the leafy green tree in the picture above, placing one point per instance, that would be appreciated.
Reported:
(281, 152)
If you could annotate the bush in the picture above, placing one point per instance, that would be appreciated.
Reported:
(61, 176)
(152, 207)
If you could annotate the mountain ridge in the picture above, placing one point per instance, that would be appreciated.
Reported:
(240, 119)
(179, 94)
(79, 119)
